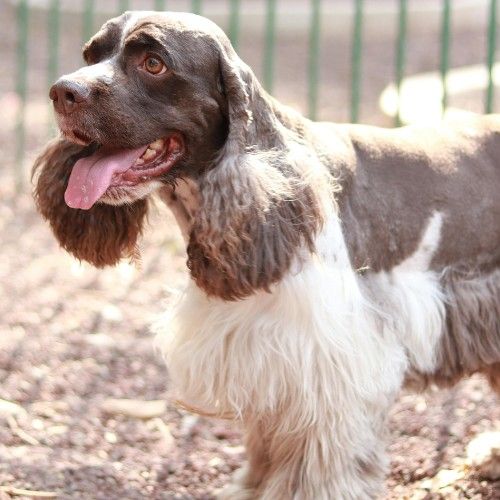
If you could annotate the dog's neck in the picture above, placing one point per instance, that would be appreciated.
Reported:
(183, 201)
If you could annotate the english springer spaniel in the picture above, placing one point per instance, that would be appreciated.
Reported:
(330, 264)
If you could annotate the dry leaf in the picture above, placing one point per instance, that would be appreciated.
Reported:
(135, 408)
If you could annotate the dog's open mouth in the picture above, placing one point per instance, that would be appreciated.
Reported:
(93, 175)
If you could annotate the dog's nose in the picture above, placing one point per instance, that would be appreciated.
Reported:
(68, 95)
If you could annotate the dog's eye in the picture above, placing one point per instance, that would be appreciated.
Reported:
(154, 65)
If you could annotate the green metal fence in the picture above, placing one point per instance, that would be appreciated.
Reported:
(268, 70)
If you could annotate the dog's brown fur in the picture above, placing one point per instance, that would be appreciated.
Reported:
(331, 262)
(104, 234)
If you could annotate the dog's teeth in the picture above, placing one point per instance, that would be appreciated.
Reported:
(149, 154)
(139, 161)
(157, 145)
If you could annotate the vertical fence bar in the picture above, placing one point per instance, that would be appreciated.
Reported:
(234, 22)
(401, 54)
(53, 33)
(492, 38)
(196, 6)
(269, 42)
(160, 5)
(53, 26)
(21, 87)
(445, 51)
(356, 61)
(88, 19)
(123, 5)
(313, 72)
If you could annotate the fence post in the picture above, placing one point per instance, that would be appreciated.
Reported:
(356, 61)
(234, 22)
(88, 19)
(53, 42)
(268, 73)
(401, 54)
(196, 6)
(123, 5)
(445, 51)
(160, 5)
(21, 88)
(492, 39)
(314, 47)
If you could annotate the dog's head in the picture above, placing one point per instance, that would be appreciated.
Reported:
(151, 104)
(164, 97)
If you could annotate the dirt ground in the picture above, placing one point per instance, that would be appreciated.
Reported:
(72, 338)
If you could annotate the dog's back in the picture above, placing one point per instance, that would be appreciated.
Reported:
(399, 185)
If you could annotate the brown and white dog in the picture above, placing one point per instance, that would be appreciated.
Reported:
(330, 264)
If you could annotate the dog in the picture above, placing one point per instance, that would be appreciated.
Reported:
(330, 264)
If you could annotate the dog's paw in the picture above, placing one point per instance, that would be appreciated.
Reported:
(237, 490)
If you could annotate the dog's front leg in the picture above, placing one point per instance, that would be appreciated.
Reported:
(248, 479)
(315, 446)
(345, 460)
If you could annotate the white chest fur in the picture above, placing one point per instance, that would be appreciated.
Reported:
(323, 328)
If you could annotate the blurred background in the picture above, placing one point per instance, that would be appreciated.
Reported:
(74, 340)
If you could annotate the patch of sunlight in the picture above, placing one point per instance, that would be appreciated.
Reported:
(420, 100)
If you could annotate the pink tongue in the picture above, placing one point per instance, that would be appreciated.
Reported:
(91, 176)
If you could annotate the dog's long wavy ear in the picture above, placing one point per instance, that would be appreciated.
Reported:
(257, 210)
(238, 84)
(102, 235)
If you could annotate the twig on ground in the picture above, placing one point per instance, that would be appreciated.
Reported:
(20, 492)
(20, 433)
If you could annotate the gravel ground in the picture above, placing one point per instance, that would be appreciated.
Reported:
(72, 338)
